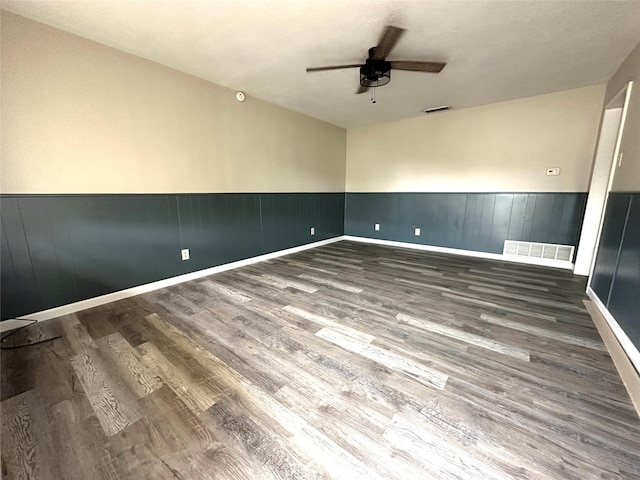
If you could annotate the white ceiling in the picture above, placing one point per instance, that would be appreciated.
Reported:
(495, 51)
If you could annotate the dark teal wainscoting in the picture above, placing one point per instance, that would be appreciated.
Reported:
(470, 221)
(616, 275)
(59, 249)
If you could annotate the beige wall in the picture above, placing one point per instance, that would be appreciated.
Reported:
(80, 117)
(502, 147)
(627, 176)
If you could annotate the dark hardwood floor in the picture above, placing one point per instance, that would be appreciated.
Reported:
(349, 361)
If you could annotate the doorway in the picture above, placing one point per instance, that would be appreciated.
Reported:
(608, 158)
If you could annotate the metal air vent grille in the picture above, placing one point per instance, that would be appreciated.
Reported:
(539, 250)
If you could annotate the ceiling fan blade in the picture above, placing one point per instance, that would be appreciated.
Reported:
(333, 67)
(389, 39)
(430, 67)
(362, 89)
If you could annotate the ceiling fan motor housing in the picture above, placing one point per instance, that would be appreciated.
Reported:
(375, 73)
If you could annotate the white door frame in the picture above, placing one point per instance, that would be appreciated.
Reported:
(606, 161)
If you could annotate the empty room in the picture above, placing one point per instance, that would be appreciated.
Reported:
(297, 239)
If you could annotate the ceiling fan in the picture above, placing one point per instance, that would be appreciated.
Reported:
(376, 71)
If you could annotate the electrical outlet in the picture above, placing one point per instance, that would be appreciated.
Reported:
(376, 227)
(313, 230)
(185, 254)
(553, 171)
(416, 230)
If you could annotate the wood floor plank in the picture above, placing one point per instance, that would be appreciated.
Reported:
(18, 373)
(258, 445)
(233, 294)
(252, 365)
(201, 335)
(86, 457)
(26, 440)
(499, 307)
(501, 273)
(387, 358)
(114, 408)
(129, 364)
(336, 263)
(330, 283)
(76, 335)
(125, 316)
(440, 457)
(511, 282)
(282, 282)
(334, 325)
(169, 430)
(304, 266)
(172, 302)
(530, 299)
(96, 322)
(477, 340)
(55, 378)
(545, 332)
(197, 397)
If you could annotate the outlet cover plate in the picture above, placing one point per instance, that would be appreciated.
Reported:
(185, 253)
(416, 231)
(376, 227)
(313, 230)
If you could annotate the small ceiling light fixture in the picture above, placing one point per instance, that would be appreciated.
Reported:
(437, 109)
(375, 73)
(240, 96)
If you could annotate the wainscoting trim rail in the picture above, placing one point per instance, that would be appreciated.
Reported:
(469, 253)
(622, 338)
(130, 292)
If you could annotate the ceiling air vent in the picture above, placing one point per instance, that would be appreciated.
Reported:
(437, 109)
(545, 251)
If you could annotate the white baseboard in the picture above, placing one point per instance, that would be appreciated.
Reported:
(130, 292)
(468, 253)
(625, 342)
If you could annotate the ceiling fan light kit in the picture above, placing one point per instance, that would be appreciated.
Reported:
(375, 73)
